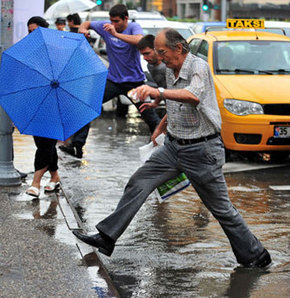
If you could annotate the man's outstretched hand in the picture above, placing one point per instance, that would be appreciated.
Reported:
(148, 105)
(142, 92)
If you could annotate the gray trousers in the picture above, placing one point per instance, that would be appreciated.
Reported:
(202, 163)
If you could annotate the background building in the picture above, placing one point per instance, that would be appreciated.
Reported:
(189, 9)
(156, 5)
(169, 8)
(278, 9)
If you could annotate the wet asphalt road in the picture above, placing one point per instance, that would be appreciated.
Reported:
(177, 249)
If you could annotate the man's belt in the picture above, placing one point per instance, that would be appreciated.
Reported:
(192, 141)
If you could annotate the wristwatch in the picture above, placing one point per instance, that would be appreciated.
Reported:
(161, 91)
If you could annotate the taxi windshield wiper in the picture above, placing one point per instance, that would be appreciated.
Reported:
(272, 71)
(281, 70)
(244, 70)
(236, 70)
(224, 70)
(284, 70)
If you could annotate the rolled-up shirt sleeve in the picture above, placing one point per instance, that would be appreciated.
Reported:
(98, 26)
(136, 29)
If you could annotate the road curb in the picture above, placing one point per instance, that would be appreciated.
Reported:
(89, 256)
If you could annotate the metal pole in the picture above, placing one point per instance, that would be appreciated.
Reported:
(223, 10)
(8, 174)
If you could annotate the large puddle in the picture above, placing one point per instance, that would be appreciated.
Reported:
(177, 249)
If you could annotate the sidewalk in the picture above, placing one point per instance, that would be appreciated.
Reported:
(39, 256)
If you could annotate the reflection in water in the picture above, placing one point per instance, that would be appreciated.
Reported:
(81, 212)
(95, 267)
(50, 213)
(75, 163)
(243, 282)
(264, 207)
(182, 218)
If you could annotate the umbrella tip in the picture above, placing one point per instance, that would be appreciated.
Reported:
(54, 84)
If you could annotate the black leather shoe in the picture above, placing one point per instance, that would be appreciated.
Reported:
(262, 261)
(104, 246)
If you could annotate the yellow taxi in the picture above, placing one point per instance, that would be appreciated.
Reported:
(251, 72)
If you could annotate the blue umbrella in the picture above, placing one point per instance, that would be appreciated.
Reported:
(52, 83)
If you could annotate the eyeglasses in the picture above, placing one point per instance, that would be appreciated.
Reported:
(161, 52)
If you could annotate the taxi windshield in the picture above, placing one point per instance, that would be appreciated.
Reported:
(252, 57)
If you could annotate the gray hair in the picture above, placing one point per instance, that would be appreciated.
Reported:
(173, 37)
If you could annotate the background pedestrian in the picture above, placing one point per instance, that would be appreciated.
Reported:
(46, 158)
(125, 72)
(155, 65)
(60, 24)
(74, 22)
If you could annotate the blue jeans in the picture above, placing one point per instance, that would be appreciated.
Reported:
(202, 163)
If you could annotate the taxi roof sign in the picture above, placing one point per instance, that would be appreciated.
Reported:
(245, 24)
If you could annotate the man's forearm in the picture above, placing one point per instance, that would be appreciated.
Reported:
(181, 95)
(163, 123)
(84, 26)
(161, 128)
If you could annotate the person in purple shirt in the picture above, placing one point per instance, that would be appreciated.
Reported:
(125, 72)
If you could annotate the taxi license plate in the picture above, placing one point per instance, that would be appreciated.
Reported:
(282, 131)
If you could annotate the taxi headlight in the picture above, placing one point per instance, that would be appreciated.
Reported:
(242, 107)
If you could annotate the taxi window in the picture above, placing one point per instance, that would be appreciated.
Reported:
(194, 44)
(202, 51)
(252, 57)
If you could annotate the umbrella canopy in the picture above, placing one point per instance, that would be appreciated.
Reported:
(52, 83)
(63, 8)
